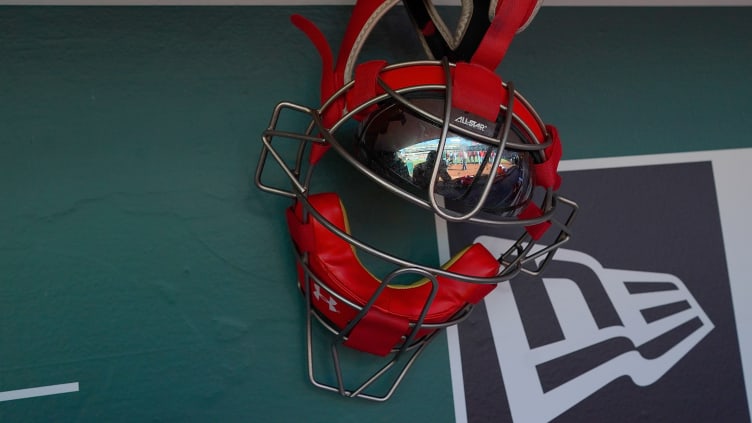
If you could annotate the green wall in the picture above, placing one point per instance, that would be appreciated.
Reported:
(136, 257)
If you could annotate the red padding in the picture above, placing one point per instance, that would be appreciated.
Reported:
(433, 74)
(334, 262)
(377, 332)
(301, 233)
(531, 212)
(546, 173)
(477, 90)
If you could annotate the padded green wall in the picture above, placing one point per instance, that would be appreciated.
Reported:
(136, 257)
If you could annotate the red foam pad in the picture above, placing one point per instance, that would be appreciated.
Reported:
(335, 263)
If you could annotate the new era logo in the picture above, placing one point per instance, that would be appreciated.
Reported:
(584, 332)
(633, 321)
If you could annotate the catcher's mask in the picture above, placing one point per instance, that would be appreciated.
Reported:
(447, 136)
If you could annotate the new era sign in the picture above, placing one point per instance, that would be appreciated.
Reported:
(632, 321)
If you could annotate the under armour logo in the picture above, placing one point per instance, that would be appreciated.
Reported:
(562, 337)
(321, 297)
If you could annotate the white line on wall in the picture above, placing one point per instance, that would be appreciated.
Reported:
(40, 391)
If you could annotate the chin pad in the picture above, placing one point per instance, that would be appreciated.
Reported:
(336, 266)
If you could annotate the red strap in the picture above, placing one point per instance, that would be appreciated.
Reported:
(332, 78)
(429, 29)
(477, 90)
(328, 86)
(510, 16)
(546, 174)
(377, 332)
(531, 212)
(360, 21)
(329, 82)
(365, 87)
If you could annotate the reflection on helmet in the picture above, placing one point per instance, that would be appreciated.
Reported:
(402, 148)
